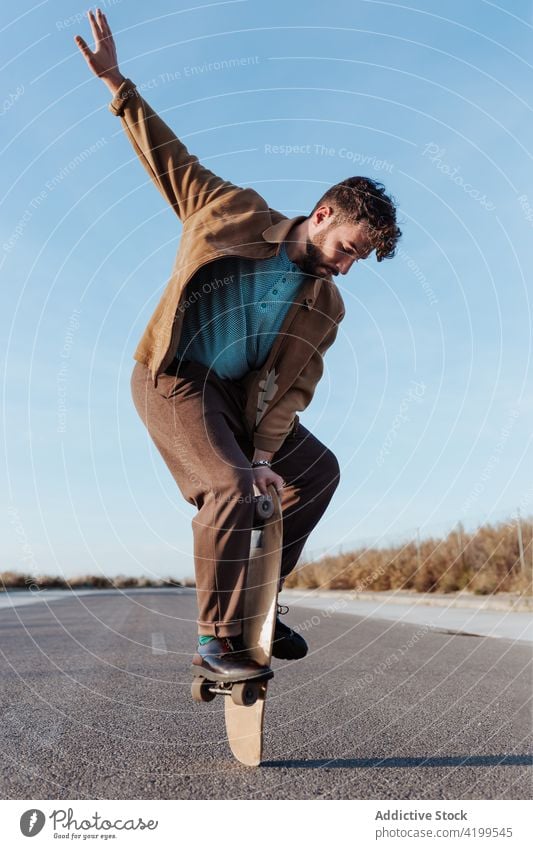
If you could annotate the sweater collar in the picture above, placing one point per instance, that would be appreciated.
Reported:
(277, 233)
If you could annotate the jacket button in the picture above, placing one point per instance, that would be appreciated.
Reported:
(262, 306)
(274, 291)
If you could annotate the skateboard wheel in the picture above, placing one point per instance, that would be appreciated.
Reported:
(245, 693)
(264, 507)
(200, 690)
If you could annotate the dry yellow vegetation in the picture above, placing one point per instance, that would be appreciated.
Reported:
(495, 558)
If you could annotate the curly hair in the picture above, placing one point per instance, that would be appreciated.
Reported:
(361, 199)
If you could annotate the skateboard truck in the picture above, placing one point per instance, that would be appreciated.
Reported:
(243, 693)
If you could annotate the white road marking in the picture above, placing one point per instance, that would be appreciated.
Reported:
(158, 643)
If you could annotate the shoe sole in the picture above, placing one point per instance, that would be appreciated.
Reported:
(231, 678)
(286, 656)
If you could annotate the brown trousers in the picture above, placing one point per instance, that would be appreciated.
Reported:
(196, 421)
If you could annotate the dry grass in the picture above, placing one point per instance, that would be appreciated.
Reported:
(486, 561)
(19, 580)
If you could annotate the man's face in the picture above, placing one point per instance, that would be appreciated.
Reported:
(333, 248)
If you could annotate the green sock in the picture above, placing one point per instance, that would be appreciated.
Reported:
(204, 639)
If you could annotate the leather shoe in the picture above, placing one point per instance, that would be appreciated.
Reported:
(226, 659)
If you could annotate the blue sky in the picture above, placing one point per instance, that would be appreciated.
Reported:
(426, 397)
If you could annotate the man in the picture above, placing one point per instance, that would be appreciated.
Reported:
(233, 350)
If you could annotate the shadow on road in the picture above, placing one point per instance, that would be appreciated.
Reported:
(361, 763)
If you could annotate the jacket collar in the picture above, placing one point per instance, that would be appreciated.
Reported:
(277, 233)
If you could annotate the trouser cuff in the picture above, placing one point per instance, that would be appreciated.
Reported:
(219, 629)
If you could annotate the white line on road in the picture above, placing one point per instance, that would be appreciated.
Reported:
(158, 643)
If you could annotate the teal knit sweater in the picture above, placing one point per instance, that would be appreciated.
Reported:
(234, 309)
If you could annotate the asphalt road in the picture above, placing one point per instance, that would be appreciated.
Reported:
(95, 704)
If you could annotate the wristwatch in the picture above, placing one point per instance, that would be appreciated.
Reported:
(256, 463)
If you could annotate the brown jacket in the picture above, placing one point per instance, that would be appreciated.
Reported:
(222, 219)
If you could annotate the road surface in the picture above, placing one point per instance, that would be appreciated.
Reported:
(95, 704)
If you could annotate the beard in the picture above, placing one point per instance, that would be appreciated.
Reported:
(313, 262)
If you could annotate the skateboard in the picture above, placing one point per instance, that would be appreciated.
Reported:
(245, 700)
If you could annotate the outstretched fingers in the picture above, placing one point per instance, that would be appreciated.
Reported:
(102, 60)
(95, 29)
(104, 26)
(83, 46)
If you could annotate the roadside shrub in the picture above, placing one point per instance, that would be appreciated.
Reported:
(484, 561)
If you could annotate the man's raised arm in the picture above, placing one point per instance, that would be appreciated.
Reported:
(182, 180)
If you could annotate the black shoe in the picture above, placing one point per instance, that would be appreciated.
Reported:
(226, 659)
(288, 645)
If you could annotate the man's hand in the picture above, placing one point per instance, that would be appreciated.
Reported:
(103, 61)
(263, 476)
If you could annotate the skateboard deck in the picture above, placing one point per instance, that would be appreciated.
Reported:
(244, 724)
(245, 700)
